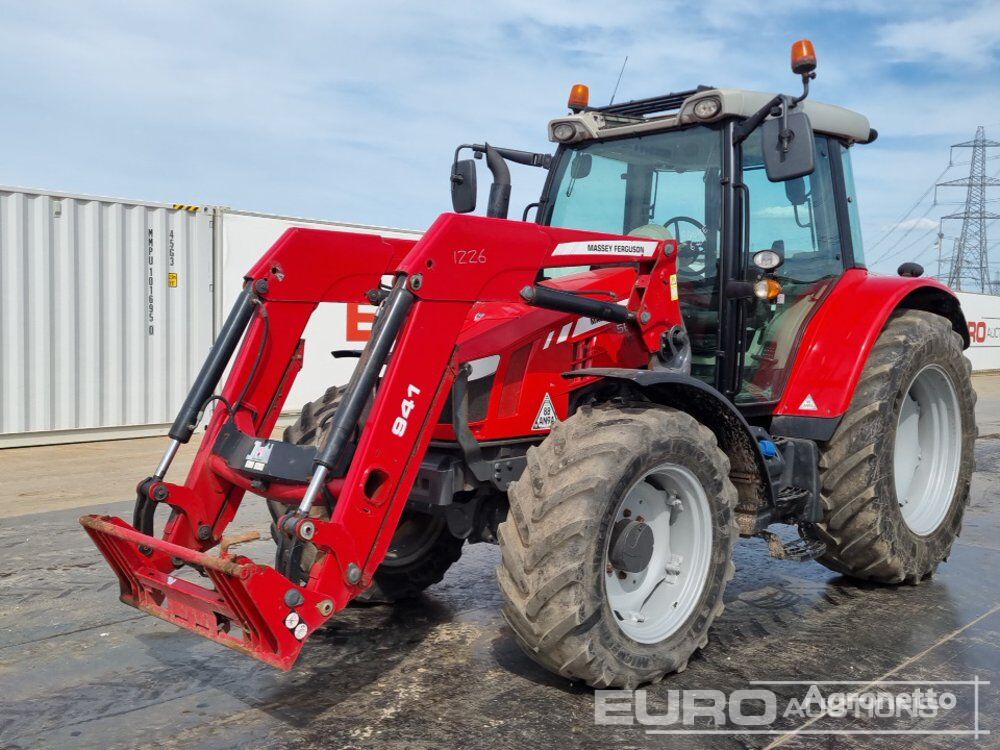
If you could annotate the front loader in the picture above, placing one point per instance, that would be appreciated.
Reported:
(684, 347)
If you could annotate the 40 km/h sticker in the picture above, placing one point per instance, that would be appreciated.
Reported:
(547, 416)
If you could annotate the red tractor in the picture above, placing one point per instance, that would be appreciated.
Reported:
(684, 347)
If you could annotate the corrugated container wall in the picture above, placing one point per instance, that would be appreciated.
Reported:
(105, 314)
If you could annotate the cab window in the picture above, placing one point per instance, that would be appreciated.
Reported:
(857, 246)
(797, 218)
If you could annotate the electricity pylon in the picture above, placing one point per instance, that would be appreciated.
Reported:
(970, 263)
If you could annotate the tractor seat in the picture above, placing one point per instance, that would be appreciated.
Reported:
(652, 231)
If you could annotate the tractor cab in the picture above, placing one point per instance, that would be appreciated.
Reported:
(758, 191)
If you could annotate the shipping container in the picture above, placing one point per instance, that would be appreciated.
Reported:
(242, 237)
(105, 314)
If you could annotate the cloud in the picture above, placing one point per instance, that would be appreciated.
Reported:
(775, 212)
(923, 222)
(962, 34)
(352, 111)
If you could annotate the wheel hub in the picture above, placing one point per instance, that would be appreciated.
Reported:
(631, 546)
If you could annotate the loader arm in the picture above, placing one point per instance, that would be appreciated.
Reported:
(409, 364)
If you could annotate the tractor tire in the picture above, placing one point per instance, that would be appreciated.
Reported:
(895, 476)
(314, 419)
(566, 594)
(422, 548)
(409, 569)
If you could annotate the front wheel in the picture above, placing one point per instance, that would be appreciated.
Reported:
(618, 545)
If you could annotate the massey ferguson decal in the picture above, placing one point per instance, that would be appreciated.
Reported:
(632, 248)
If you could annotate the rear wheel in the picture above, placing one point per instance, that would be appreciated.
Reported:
(618, 545)
(422, 548)
(896, 474)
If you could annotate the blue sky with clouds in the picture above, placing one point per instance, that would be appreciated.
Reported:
(351, 111)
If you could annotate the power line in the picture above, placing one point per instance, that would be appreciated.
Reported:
(889, 253)
(912, 208)
(925, 235)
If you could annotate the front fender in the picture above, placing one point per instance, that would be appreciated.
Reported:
(711, 408)
(837, 340)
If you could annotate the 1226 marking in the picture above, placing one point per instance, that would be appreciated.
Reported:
(469, 257)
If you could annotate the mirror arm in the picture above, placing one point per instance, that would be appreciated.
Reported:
(471, 146)
(743, 130)
(528, 158)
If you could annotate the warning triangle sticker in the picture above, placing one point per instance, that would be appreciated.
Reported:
(546, 415)
(808, 404)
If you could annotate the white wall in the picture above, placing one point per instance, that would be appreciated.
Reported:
(245, 237)
(982, 312)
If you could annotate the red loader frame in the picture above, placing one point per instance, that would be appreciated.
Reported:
(461, 260)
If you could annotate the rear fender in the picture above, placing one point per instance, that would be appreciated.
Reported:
(704, 403)
(839, 337)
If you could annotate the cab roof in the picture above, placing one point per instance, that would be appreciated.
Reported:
(677, 109)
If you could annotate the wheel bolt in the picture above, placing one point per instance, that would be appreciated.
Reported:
(626, 513)
(622, 575)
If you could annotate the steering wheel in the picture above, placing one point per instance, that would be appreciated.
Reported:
(692, 250)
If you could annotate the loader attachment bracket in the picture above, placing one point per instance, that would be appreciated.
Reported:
(246, 609)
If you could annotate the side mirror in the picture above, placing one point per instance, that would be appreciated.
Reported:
(581, 166)
(795, 191)
(463, 186)
(788, 146)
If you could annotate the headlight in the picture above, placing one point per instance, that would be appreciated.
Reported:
(707, 108)
(563, 131)
(767, 260)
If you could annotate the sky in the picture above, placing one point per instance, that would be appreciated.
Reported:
(351, 111)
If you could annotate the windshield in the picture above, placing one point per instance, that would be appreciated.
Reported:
(632, 183)
(661, 185)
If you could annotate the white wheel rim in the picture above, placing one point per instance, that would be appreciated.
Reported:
(927, 452)
(655, 603)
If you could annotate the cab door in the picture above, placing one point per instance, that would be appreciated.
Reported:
(802, 219)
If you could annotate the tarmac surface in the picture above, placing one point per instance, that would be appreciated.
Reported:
(79, 669)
